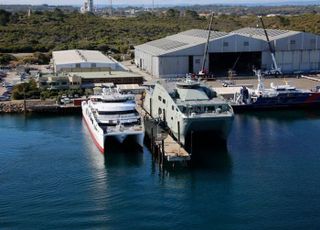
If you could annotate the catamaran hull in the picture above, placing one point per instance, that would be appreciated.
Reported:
(217, 129)
(100, 139)
(132, 138)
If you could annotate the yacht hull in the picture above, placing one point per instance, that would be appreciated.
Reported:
(100, 138)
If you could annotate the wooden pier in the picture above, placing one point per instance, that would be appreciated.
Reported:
(173, 151)
(162, 145)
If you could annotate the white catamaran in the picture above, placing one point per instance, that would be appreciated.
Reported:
(112, 114)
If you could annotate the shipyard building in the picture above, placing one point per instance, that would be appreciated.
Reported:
(86, 69)
(82, 60)
(240, 50)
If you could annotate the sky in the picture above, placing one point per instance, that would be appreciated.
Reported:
(132, 2)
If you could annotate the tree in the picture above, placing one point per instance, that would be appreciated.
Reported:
(29, 90)
(4, 17)
(5, 59)
(42, 58)
(172, 13)
(191, 14)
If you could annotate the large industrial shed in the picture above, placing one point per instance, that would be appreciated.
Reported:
(81, 60)
(240, 50)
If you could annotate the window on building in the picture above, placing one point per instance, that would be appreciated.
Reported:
(225, 44)
(292, 42)
(78, 65)
(160, 99)
(246, 43)
(197, 61)
(164, 101)
(313, 42)
(93, 65)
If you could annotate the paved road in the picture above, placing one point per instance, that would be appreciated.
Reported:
(136, 70)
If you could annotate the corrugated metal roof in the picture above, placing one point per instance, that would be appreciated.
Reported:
(166, 44)
(259, 33)
(79, 56)
(203, 33)
(179, 41)
(195, 37)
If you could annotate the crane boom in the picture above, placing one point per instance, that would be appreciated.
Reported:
(207, 45)
(276, 69)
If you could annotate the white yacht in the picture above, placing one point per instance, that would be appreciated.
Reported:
(112, 114)
(188, 108)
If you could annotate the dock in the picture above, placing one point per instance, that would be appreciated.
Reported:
(173, 152)
(159, 140)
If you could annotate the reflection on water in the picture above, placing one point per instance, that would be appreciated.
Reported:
(284, 115)
(121, 156)
(270, 163)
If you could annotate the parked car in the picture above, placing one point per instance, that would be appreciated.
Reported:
(65, 100)
(4, 98)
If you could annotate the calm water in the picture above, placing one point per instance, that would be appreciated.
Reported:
(53, 177)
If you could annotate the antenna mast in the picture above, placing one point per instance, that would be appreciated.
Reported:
(110, 10)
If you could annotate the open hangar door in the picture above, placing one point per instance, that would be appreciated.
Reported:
(241, 62)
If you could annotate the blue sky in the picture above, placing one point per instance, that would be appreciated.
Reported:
(127, 2)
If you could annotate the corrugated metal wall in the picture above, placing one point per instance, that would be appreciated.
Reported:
(298, 52)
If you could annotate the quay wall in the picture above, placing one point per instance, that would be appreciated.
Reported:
(37, 106)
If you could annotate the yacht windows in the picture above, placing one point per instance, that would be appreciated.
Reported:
(116, 112)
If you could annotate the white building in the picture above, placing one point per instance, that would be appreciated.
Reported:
(87, 6)
(82, 60)
(240, 50)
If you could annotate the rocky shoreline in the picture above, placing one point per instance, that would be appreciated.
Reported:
(11, 107)
(36, 106)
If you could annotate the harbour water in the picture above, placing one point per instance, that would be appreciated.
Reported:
(53, 177)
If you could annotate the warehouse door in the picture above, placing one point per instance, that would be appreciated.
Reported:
(241, 62)
(190, 64)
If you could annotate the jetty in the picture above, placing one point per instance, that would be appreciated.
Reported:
(159, 140)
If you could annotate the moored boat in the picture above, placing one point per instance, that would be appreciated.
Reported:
(189, 108)
(113, 115)
(276, 97)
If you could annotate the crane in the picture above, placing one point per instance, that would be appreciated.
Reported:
(202, 71)
(275, 70)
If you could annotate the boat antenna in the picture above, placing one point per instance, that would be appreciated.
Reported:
(207, 44)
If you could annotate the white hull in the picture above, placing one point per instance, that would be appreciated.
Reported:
(100, 138)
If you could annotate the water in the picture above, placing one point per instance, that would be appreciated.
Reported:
(53, 177)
